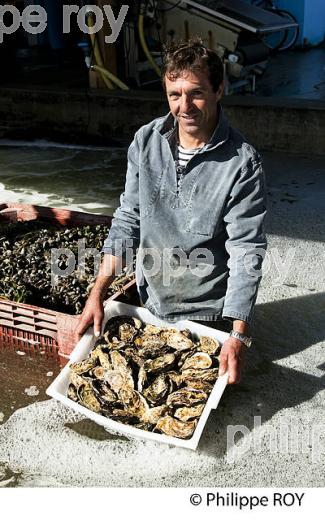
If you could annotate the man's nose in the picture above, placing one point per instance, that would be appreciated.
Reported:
(185, 104)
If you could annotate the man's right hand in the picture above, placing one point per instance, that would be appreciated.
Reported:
(92, 314)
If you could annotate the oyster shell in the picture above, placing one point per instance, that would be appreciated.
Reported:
(160, 363)
(144, 426)
(132, 356)
(209, 345)
(127, 332)
(120, 415)
(72, 392)
(102, 357)
(153, 347)
(171, 426)
(134, 403)
(186, 397)
(208, 375)
(151, 329)
(199, 360)
(98, 373)
(104, 393)
(175, 377)
(83, 366)
(176, 339)
(153, 415)
(125, 325)
(87, 398)
(115, 344)
(118, 361)
(142, 378)
(76, 380)
(198, 385)
(187, 413)
(118, 379)
(157, 390)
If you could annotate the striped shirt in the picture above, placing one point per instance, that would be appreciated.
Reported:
(183, 155)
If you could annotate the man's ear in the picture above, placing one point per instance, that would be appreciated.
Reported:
(220, 90)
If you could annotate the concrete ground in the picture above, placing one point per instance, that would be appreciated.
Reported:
(280, 402)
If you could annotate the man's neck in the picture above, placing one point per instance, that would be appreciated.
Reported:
(190, 142)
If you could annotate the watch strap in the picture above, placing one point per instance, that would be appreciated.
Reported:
(244, 339)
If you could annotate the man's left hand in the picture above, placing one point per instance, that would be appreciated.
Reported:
(232, 359)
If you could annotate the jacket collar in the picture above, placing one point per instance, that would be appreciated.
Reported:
(168, 125)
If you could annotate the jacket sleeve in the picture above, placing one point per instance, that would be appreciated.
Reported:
(124, 234)
(246, 241)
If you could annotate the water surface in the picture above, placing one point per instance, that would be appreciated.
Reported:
(49, 174)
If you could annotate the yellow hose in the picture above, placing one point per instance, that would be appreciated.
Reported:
(99, 60)
(111, 77)
(107, 76)
(145, 47)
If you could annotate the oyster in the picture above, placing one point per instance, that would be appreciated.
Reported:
(151, 329)
(187, 413)
(127, 332)
(176, 339)
(115, 344)
(153, 415)
(198, 385)
(102, 357)
(87, 398)
(118, 379)
(208, 375)
(121, 328)
(186, 397)
(185, 354)
(134, 403)
(96, 350)
(152, 347)
(157, 390)
(132, 356)
(122, 416)
(104, 393)
(142, 378)
(144, 426)
(200, 360)
(72, 392)
(171, 426)
(175, 377)
(118, 361)
(209, 345)
(76, 380)
(160, 363)
(83, 366)
(98, 373)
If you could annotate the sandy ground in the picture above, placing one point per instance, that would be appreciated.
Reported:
(280, 403)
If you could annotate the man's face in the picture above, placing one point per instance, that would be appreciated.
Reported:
(193, 103)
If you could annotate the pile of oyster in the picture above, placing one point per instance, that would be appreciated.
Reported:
(25, 257)
(157, 379)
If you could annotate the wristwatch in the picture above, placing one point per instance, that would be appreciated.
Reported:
(244, 339)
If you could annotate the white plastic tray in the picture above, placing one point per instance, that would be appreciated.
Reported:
(58, 388)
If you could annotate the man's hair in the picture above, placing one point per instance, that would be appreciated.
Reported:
(191, 56)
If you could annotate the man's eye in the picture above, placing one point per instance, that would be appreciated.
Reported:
(173, 97)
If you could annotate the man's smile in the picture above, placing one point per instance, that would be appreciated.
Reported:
(189, 118)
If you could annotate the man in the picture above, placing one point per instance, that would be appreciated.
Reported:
(194, 202)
